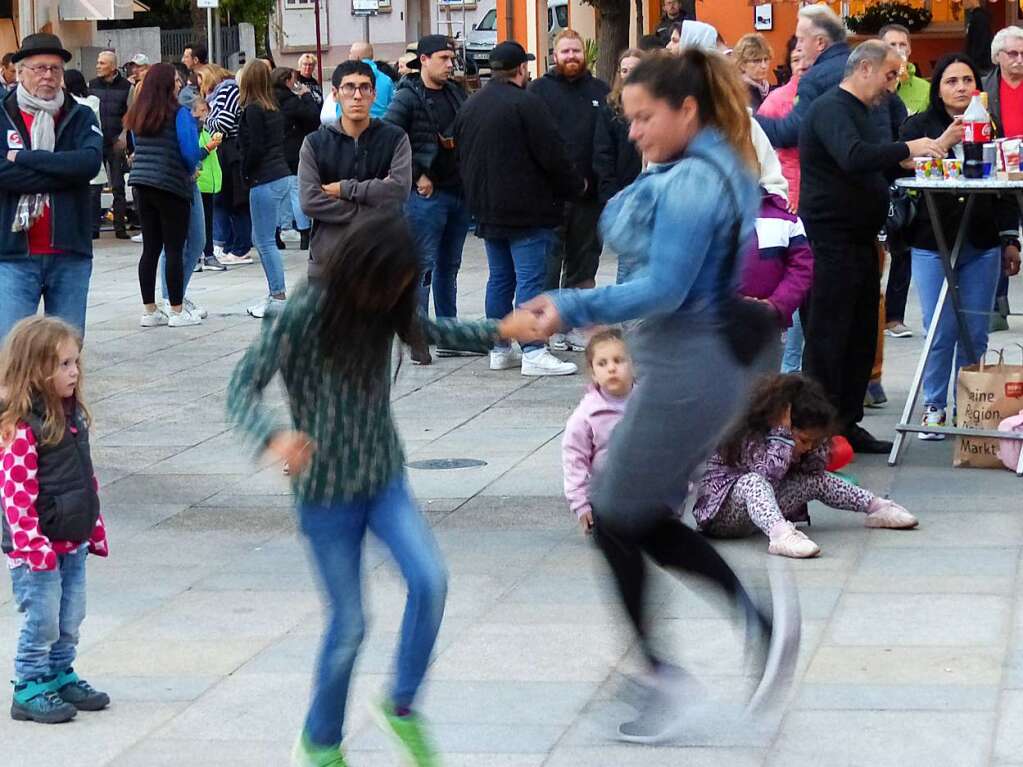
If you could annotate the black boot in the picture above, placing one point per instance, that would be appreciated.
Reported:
(304, 244)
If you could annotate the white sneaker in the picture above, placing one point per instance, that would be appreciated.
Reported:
(153, 319)
(269, 305)
(187, 304)
(230, 259)
(542, 363)
(884, 513)
(218, 252)
(933, 416)
(898, 330)
(136, 237)
(504, 359)
(793, 543)
(184, 318)
(290, 235)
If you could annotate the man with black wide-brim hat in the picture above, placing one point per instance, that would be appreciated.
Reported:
(50, 149)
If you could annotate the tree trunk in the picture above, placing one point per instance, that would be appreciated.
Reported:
(640, 28)
(198, 20)
(612, 35)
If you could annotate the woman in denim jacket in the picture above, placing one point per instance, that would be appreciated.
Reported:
(678, 222)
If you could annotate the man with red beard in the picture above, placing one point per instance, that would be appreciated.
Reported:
(574, 97)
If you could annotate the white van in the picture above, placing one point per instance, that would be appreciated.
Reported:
(483, 36)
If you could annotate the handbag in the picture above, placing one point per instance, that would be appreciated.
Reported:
(748, 326)
(901, 211)
(986, 395)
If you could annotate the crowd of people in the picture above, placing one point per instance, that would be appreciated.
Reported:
(750, 225)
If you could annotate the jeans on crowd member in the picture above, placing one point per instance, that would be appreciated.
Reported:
(207, 212)
(517, 272)
(440, 224)
(900, 273)
(195, 240)
(574, 259)
(61, 282)
(792, 356)
(334, 534)
(115, 162)
(977, 272)
(162, 215)
(53, 603)
(841, 329)
(232, 227)
(291, 209)
(264, 202)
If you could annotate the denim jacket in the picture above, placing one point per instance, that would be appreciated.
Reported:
(674, 223)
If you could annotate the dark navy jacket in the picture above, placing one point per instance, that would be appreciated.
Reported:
(65, 173)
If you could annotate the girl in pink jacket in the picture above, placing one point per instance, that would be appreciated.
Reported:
(588, 432)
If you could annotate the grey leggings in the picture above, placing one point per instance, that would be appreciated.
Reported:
(753, 503)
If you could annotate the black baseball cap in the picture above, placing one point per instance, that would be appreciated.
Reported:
(508, 55)
(429, 45)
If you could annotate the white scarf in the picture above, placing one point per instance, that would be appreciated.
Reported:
(43, 136)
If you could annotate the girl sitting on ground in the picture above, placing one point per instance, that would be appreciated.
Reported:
(589, 428)
(773, 463)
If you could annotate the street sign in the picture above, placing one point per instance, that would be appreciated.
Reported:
(365, 7)
(207, 3)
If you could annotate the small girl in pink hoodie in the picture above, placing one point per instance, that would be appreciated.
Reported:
(588, 431)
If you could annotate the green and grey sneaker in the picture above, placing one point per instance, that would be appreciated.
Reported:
(35, 701)
(308, 754)
(408, 733)
(78, 692)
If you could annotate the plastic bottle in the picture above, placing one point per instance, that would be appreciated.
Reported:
(976, 133)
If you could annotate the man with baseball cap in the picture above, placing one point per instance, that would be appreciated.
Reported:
(50, 149)
(425, 106)
(517, 175)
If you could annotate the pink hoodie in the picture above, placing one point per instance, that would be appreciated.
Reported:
(584, 446)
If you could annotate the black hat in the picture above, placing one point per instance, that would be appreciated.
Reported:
(429, 45)
(41, 42)
(508, 55)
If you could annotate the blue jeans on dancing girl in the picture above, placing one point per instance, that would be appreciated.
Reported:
(335, 535)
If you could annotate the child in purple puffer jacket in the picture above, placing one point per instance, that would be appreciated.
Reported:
(774, 462)
(588, 431)
(778, 267)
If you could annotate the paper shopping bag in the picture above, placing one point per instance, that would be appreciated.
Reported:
(985, 395)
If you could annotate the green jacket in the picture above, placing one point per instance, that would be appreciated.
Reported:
(915, 92)
(358, 451)
(211, 179)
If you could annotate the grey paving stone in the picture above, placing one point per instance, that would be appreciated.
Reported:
(927, 697)
(174, 752)
(1009, 736)
(883, 739)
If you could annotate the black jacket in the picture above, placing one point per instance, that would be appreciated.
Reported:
(314, 87)
(987, 221)
(575, 105)
(992, 85)
(978, 38)
(261, 140)
(67, 505)
(513, 162)
(157, 163)
(845, 168)
(410, 111)
(616, 162)
(113, 103)
(301, 117)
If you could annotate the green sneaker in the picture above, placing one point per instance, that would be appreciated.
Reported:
(407, 733)
(79, 693)
(35, 701)
(308, 754)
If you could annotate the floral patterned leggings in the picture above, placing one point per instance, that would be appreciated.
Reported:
(753, 503)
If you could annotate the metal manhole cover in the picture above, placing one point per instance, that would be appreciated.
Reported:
(434, 464)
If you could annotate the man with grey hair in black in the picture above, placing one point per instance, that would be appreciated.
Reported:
(846, 166)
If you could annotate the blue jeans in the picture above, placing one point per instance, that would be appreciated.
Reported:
(53, 602)
(440, 224)
(518, 268)
(195, 242)
(61, 282)
(264, 203)
(335, 535)
(232, 228)
(291, 209)
(977, 273)
(792, 356)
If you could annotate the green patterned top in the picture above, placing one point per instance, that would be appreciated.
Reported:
(358, 451)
